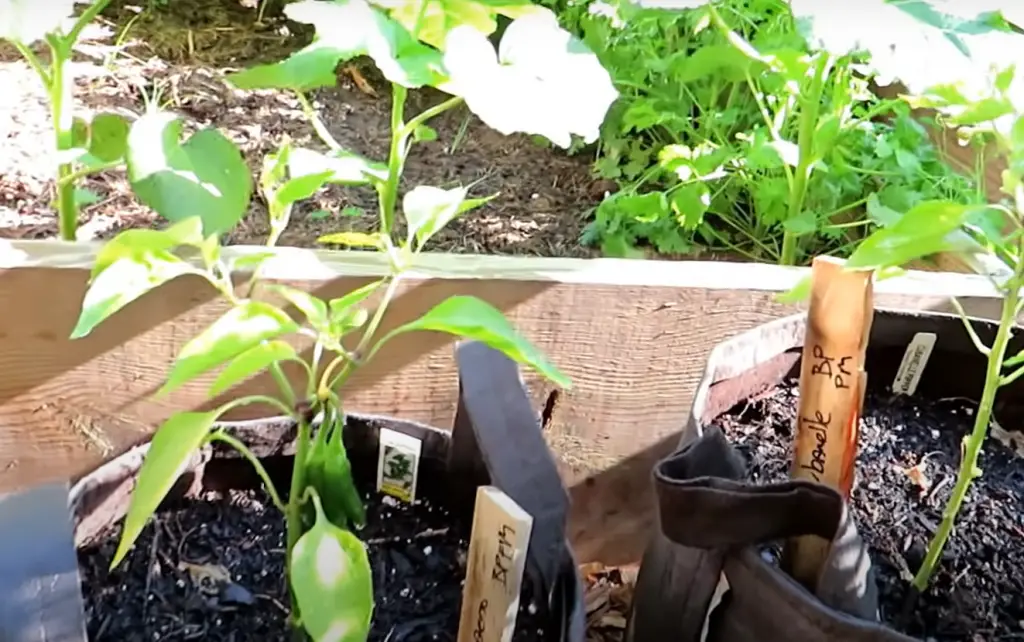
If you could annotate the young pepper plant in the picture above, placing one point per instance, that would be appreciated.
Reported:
(82, 147)
(993, 232)
(323, 505)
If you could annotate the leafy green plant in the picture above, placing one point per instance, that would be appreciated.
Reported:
(734, 135)
(975, 91)
(82, 147)
(541, 81)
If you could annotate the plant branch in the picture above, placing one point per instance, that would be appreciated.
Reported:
(37, 65)
(318, 125)
(83, 21)
(251, 399)
(1010, 378)
(243, 450)
(364, 341)
(88, 171)
(396, 160)
(293, 516)
(427, 114)
(975, 339)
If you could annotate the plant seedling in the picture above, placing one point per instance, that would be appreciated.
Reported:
(985, 106)
(82, 147)
(541, 81)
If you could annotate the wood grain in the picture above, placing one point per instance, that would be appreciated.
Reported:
(632, 335)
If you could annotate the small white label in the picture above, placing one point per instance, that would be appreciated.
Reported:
(398, 464)
(716, 599)
(914, 361)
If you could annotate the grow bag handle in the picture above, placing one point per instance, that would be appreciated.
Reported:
(704, 505)
(496, 425)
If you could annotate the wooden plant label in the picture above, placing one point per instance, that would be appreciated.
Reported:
(494, 568)
(398, 464)
(832, 386)
(914, 361)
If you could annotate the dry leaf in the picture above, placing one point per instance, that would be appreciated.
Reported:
(917, 475)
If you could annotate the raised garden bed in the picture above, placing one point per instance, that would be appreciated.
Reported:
(741, 433)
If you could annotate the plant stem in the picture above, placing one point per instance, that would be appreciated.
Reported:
(293, 516)
(805, 141)
(64, 137)
(396, 159)
(974, 442)
(251, 457)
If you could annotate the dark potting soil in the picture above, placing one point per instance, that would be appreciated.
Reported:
(977, 593)
(213, 568)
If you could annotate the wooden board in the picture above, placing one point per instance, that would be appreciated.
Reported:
(632, 335)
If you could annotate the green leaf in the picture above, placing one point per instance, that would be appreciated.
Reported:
(424, 134)
(346, 29)
(124, 280)
(108, 137)
(299, 188)
(473, 318)
(205, 176)
(438, 17)
(542, 81)
(332, 582)
(353, 239)
(344, 315)
(429, 209)
(168, 453)
(242, 327)
(26, 21)
(690, 203)
(802, 224)
(312, 67)
(344, 168)
(313, 308)
(251, 362)
(85, 197)
(924, 230)
(141, 242)
(799, 292)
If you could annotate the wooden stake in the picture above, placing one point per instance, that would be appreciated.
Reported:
(832, 386)
(494, 569)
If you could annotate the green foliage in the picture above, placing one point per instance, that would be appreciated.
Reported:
(987, 98)
(91, 146)
(200, 184)
(732, 134)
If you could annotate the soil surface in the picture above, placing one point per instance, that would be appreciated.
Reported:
(213, 569)
(906, 468)
(178, 52)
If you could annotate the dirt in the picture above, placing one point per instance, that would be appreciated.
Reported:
(213, 569)
(178, 52)
(906, 468)
(608, 597)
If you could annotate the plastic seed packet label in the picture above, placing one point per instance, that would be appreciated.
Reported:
(914, 361)
(398, 464)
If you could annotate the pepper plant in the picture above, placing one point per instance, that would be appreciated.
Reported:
(980, 95)
(82, 146)
(541, 81)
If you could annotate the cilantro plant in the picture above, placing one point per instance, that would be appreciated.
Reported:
(82, 147)
(541, 81)
(734, 135)
(956, 66)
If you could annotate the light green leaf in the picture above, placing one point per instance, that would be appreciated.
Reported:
(344, 313)
(313, 308)
(26, 21)
(542, 81)
(424, 134)
(250, 261)
(173, 444)
(312, 67)
(141, 242)
(346, 29)
(332, 582)
(927, 228)
(251, 362)
(298, 189)
(353, 239)
(798, 293)
(242, 327)
(438, 17)
(429, 209)
(342, 167)
(124, 280)
(472, 318)
(85, 197)
(204, 176)
(108, 137)
(802, 224)
(690, 203)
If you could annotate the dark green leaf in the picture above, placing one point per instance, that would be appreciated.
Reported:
(173, 444)
(108, 137)
(242, 327)
(472, 318)
(204, 176)
(312, 67)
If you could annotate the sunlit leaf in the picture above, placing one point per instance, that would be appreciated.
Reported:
(313, 308)
(353, 239)
(924, 230)
(172, 445)
(239, 329)
(542, 80)
(473, 318)
(205, 176)
(140, 242)
(251, 362)
(438, 17)
(344, 168)
(332, 582)
(429, 209)
(26, 21)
